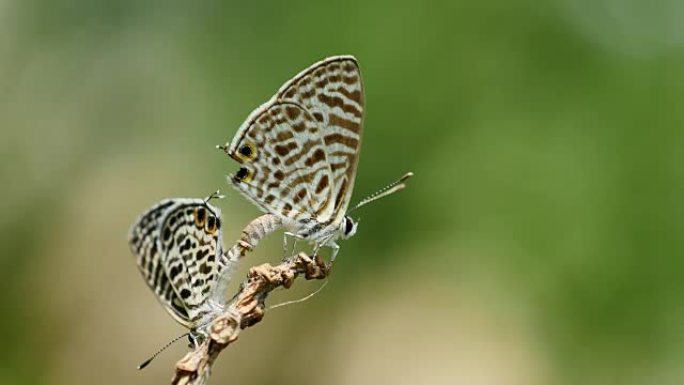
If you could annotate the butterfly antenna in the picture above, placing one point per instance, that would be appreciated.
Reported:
(215, 195)
(222, 147)
(390, 189)
(299, 300)
(147, 362)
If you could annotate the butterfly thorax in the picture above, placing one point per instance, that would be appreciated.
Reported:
(325, 233)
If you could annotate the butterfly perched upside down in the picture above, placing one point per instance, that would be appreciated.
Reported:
(177, 245)
(298, 152)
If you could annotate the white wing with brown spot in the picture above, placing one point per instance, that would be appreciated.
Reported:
(299, 151)
(176, 244)
(284, 164)
(332, 91)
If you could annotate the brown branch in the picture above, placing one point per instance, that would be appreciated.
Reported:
(244, 310)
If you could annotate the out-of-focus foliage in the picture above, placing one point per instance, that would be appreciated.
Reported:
(539, 243)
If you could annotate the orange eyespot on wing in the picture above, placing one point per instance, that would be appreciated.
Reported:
(200, 216)
(211, 225)
(244, 175)
(246, 152)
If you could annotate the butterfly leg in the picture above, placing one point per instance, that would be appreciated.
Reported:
(335, 249)
(316, 248)
(294, 244)
(194, 339)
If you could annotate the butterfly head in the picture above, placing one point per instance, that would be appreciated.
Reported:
(349, 226)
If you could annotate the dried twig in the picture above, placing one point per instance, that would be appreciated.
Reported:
(244, 310)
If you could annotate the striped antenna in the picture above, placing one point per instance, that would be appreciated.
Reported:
(390, 189)
(147, 362)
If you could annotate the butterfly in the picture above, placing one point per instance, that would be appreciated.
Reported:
(299, 152)
(177, 244)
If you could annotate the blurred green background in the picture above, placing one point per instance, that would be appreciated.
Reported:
(538, 243)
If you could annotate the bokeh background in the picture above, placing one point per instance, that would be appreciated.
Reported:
(538, 243)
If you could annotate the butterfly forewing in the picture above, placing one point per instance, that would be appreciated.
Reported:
(300, 150)
(176, 243)
(332, 91)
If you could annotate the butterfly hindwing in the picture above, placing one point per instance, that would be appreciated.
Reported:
(177, 256)
(284, 165)
(190, 242)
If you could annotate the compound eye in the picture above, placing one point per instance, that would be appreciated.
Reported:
(200, 216)
(348, 225)
(247, 151)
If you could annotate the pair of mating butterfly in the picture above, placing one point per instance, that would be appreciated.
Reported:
(298, 154)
